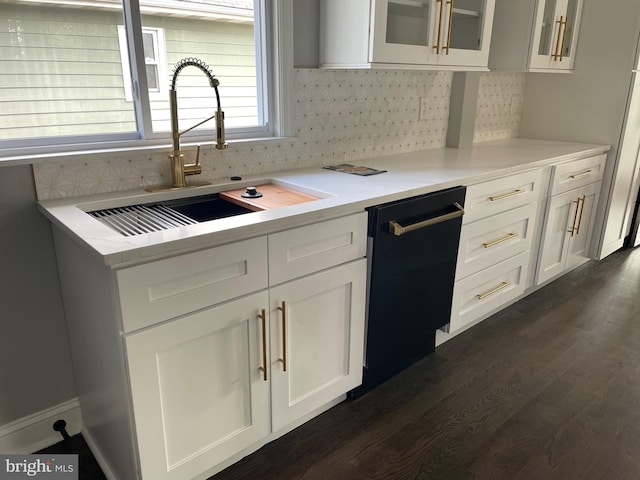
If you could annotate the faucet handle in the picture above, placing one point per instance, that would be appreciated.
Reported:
(194, 168)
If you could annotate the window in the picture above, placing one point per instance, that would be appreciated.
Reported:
(155, 60)
(76, 75)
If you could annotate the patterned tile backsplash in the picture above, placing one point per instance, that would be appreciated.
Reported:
(340, 115)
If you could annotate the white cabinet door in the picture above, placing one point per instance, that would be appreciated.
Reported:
(432, 32)
(197, 392)
(580, 242)
(466, 34)
(561, 210)
(568, 229)
(405, 32)
(317, 340)
(555, 34)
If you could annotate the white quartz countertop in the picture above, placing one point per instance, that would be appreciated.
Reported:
(407, 174)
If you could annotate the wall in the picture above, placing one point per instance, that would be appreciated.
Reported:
(35, 362)
(340, 115)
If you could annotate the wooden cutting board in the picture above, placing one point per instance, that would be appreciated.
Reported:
(273, 196)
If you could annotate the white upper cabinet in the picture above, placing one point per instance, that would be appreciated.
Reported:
(437, 34)
(536, 36)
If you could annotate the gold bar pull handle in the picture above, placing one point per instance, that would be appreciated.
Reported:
(450, 3)
(437, 45)
(578, 175)
(564, 37)
(263, 316)
(502, 285)
(397, 229)
(509, 236)
(572, 231)
(580, 200)
(283, 360)
(556, 55)
(517, 191)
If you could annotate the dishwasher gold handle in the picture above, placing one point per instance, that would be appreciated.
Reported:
(263, 316)
(397, 229)
(283, 360)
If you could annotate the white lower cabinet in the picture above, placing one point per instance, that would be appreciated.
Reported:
(567, 232)
(213, 383)
(197, 392)
(488, 290)
(216, 382)
(317, 340)
(495, 246)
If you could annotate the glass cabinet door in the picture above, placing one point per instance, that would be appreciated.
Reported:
(555, 34)
(408, 23)
(432, 32)
(467, 32)
(403, 31)
(570, 28)
(466, 24)
(547, 28)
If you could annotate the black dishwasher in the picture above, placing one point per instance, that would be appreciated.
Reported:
(413, 248)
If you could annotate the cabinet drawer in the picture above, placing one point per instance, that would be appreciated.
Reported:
(488, 290)
(300, 251)
(492, 240)
(502, 194)
(576, 173)
(168, 288)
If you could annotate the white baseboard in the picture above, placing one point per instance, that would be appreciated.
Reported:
(97, 454)
(35, 432)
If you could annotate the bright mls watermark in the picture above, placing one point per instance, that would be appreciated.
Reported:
(50, 467)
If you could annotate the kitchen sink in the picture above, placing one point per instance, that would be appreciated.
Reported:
(177, 212)
(154, 217)
(206, 207)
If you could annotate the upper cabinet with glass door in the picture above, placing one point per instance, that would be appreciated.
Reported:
(537, 36)
(438, 34)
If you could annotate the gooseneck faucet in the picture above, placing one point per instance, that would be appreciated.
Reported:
(179, 170)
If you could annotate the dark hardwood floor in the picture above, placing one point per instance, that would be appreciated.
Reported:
(549, 388)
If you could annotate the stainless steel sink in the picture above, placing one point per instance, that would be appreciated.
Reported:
(154, 217)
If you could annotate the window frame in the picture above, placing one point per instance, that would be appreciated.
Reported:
(160, 50)
(276, 66)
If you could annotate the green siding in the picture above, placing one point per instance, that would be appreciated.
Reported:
(61, 71)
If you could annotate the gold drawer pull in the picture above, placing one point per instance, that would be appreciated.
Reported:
(480, 296)
(518, 191)
(397, 229)
(500, 240)
(556, 55)
(581, 199)
(263, 316)
(283, 360)
(564, 37)
(446, 47)
(578, 175)
(437, 45)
